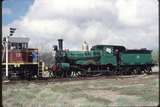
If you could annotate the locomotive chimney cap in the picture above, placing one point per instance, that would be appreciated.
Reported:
(60, 39)
(60, 43)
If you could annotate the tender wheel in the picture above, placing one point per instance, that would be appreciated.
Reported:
(148, 70)
(117, 72)
(139, 71)
(133, 71)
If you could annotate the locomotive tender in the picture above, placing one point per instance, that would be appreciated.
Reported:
(101, 59)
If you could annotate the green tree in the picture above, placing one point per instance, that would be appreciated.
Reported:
(155, 56)
(47, 58)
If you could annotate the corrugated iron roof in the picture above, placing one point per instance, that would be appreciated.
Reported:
(18, 39)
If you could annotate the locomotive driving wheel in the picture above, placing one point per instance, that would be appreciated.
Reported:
(139, 71)
(52, 74)
(75, 74)
(136, 71)
(117, 71)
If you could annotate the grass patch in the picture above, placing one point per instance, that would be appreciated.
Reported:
(148, 91)
(83, 93)
(91, 98)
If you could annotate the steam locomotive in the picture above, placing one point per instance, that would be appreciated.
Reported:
(101, 60)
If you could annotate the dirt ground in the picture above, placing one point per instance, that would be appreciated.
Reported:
(140, 90)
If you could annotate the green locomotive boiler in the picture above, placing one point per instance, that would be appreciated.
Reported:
(101, 59)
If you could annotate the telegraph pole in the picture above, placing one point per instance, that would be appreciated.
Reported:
(12, 30)
(6, 57)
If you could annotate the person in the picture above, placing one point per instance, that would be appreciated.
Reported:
(34, 56)
(117, 56)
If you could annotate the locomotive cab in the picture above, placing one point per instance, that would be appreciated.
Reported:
(110, 54)
(108, 48)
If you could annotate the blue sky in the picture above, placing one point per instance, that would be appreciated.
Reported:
(14, 9)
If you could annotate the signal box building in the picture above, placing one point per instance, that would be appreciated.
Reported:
(18, 43)
(18, 51)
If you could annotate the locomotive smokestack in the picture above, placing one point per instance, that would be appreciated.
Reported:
(60, 43)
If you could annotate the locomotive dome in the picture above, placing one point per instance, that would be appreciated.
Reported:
(85, 46)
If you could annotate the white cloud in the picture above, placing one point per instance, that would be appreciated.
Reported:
(136, 13)
(125, 22)
(70, 9)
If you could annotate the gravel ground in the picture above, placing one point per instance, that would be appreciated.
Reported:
(141, 90)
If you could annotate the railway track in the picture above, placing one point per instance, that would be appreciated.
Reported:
(51, 80)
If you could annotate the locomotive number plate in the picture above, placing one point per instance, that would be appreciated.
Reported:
(18, 54)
